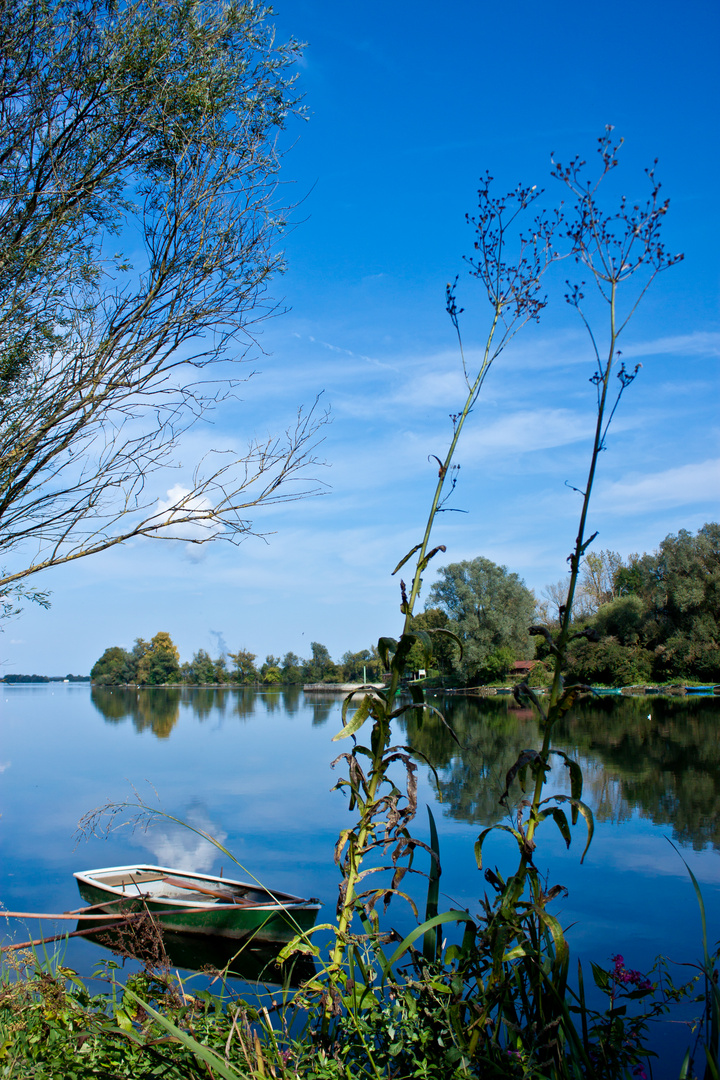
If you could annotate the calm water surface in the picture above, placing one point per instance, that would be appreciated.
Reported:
(254, 770)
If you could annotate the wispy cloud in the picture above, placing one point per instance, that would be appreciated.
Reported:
(699, 482)
(701, 343)
(526, 431)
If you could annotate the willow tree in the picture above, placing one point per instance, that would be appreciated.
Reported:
(138, 233)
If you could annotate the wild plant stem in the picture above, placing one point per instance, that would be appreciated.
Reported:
(381, 732)
(575, 562)
(445, 467)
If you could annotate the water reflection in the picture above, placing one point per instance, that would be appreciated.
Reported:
(666, 754)
(154, 708)
(660, 756)
(207, 699)
(157, 709)
(183, 844)
(161, 949)
(321, 708)
(491, 735)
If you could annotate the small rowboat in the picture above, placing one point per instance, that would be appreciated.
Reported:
(198, 903)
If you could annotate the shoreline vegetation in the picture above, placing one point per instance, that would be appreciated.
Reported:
(485, 690)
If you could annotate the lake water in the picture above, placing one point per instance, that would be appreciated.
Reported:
(254, 770)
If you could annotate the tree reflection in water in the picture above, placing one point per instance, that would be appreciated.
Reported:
(157, 709)
(153, 708)
(659, 756)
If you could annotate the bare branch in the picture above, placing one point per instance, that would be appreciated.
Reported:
(151, 125)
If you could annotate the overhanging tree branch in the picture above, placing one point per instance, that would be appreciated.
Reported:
(150, 126)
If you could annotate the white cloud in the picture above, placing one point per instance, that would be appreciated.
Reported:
(526, 431)
(699, 482)
(188, 517)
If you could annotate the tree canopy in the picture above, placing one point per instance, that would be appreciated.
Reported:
(663, 622)
(138, 229)
(489, 608)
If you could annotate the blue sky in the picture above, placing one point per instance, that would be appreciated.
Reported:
(407, 107)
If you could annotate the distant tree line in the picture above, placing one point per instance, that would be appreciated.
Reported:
(44, 678)
(650, 618)
(157, 662)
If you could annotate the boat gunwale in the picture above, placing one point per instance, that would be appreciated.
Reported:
(284, 901)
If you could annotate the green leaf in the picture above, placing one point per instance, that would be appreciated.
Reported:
(514, 954)
(358, 718)
(708, 967)
(408, 556)
(202, 1053)
(562, 951)
(587, 543)
(525, 758)
(601, 977)
(387, 646)
(301, 943)
(481, 840)
(684, 1068)
(420, 931)
(562, 823)
(423, 638)
(451, 635)
(586, 813)
(123, 1020)
(431, 555)
(431, 942)
(576, 779)
(404, 646)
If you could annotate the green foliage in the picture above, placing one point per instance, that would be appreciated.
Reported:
(490, 609)
(244, 666)
(159, 662)
(622, 618)
(201, 669)
(444, 649)
(496, 664)
(114, 667)
(680, 586)
(662, 623)
(362, 666)
(52, 1027)
(291, 669)
(320, 667)
(608, 663)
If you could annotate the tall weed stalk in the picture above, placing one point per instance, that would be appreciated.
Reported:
(620, 253)
(510, 263)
